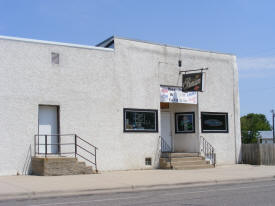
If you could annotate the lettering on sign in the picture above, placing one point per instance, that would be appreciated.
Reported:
(176, 95)
(192, 82)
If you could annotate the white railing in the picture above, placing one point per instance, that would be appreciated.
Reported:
(207, 151)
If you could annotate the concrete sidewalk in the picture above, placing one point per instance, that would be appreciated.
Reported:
(21, 187)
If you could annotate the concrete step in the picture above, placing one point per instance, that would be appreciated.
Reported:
(164, 163)
(181, 155)
(89, 170)
(82, 164)
(186, 159)
(59, 166)
(83, 169)
(198, 162)
(191, 167)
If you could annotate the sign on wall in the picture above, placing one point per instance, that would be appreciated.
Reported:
(192, 82)
(176, 95)
(164, 105)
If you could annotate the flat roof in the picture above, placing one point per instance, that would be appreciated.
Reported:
(55, 43)
(98, 47)
(167, 45)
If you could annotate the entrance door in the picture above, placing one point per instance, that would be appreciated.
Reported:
(48, 125)
(165, 131)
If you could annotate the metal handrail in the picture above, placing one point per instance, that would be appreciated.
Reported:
(86, 142)
(166, 148)
(207, 150)
(92, 152)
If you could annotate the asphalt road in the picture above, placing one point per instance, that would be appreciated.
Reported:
(255, 193)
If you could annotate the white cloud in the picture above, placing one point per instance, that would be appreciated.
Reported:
(256, 63)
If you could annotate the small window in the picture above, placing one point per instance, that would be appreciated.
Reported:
(214, 122)
(55, 58)
(185, 122)
(138, 120)
(148, 161)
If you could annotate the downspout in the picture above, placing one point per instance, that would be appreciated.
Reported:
(199, 112)
(199, 123)
(234, 110)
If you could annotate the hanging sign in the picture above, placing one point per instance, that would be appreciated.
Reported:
(176, 95)
(192, 82)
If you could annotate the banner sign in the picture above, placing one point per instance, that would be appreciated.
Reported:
(192, 82)
(176, 95)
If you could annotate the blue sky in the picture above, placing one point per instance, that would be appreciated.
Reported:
(243, 27)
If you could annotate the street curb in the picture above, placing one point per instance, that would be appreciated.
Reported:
(131, 188)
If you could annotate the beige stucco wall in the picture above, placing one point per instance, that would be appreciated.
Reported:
(92, 86)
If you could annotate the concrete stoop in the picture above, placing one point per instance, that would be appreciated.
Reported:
(183, 161)
(57, 166)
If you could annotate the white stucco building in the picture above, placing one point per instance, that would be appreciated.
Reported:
(111, 98)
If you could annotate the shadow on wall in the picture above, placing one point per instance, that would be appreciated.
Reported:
(27, 164)
(157, 153)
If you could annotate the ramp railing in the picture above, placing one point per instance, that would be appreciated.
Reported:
(65, 145)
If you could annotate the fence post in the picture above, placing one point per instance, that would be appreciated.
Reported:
(260, 154)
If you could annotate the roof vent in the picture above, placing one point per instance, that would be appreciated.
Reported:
(148, 161)
(55, 58)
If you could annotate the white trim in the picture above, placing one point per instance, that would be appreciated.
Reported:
(55, 43)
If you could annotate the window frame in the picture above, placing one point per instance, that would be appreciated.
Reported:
(215, 131)
(140, 110)
(176, 122)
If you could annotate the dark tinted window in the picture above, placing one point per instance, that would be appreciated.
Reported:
(214, 122)
(185, 122)
(140, 120)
